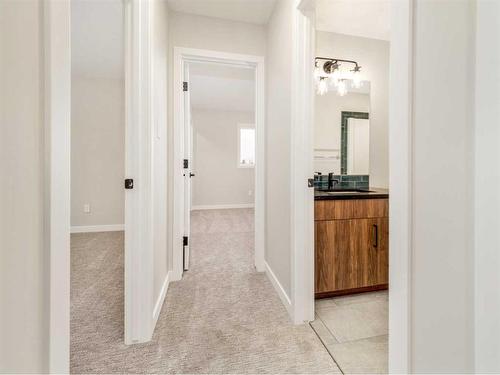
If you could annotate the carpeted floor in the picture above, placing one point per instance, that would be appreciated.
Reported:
(222, 317)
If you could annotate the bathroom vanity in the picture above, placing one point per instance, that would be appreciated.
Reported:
(351, 241)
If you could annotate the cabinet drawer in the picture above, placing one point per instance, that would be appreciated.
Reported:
(351, 209)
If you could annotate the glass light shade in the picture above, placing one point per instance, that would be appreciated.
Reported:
(341, 88)
(322, 86)
(334, 77)
(317, 74)
(356, 79)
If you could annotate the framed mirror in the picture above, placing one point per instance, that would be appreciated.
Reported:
(342, 131)
(355, 143)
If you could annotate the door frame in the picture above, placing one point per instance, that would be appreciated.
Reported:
(56, 18)
(182, 55)
(400, 181)
(139, 320)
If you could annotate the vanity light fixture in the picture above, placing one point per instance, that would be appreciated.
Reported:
(327, 73)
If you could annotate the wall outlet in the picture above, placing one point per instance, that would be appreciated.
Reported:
(250, 193)
(86, 208)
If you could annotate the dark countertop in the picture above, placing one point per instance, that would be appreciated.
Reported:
(372, 193)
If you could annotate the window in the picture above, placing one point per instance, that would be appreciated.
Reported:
(246, 154)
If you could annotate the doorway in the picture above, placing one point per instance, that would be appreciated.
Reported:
(400, 165)
(220, 145)
(97, 176)
(188, 64)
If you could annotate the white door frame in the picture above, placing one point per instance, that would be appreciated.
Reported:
(139, 316)
(139, 134)
(57, 147)
(182, 55)
(302, 196)
(401, 172)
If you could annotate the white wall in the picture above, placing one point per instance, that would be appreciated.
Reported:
(187, 30)
(487, 178)
(442, 300)
(97, 150)
(218, 179)
(24, 292)
(278, 133)
(328, 121)
(160, 206)
(373, 57)
(97, 113)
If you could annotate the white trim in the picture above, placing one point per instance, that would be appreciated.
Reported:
(401, 185)
(160, 300)
(301, 156)
(97, 228)
(279, 289)
(222, 206)
(182, 55)
(57, 148)
(139, 130)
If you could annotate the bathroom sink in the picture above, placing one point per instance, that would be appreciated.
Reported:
(348, 191)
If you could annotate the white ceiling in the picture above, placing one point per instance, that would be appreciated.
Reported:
(220, 87)
(364, 18)
(97, 38)
(252, 11)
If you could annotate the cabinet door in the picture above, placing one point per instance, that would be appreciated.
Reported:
(350, 254)
(380, 245)
(338, 250)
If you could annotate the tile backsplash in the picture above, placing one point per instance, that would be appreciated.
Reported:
(346, 182)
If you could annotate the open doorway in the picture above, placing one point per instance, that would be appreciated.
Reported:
(219, 124)
(221, 176)
(97, 175)
(351, 200)
(220, 179)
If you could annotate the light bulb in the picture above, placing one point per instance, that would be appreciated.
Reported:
(341, 88)
(334, 77)
(356, 78)
(317, 74)
(322, 86)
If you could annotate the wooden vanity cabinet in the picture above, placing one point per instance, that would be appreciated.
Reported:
(351, 246)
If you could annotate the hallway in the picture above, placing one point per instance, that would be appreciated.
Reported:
(222, 317)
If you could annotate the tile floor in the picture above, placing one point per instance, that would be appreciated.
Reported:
(354, 329)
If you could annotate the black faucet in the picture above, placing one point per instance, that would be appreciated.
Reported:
(331, 180)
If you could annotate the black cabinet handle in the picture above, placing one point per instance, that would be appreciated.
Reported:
(191, 174)
(375, 235)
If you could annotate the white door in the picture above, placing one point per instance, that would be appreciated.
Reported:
(188, 167)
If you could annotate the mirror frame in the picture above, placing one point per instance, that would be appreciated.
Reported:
(346, 115)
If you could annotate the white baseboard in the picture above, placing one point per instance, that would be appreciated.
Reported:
(222, 206)
(97, 228)
(279, 289)
(160, 300)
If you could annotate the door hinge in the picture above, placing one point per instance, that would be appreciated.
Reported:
(185, 241)
(186, 163)
(184, 86)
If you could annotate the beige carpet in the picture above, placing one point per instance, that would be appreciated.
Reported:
(222, 317)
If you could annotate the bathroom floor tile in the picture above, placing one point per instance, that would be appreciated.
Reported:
(366, 356)
(356, 321)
